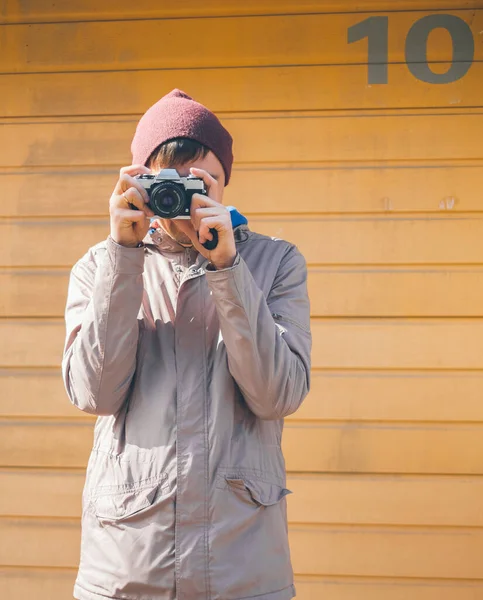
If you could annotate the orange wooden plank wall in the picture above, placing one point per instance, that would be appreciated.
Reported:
(365, 152)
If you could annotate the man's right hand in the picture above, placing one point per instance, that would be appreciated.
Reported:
(129, 226)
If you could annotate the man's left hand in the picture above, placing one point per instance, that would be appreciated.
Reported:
(207, 213)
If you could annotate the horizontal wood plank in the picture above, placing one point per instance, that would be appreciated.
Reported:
(377, 292)
(33, 293)
(283, 88)
(454, 553)
(395, 292)
(41, 584)
(341, 188)
(385, 500)
(39, 542)
(31, 11)
(391, 396)
(404, 344)
(260, 138)
(384, 448)
(32, 343)
(45, 443)
(347, 448)
(41, 493)
(57, 584)
(335, 550)
(345, 588)
(358, 240)
(35, 393)
(350, 344)
(248, 41)
(321, 499)
(436, 397)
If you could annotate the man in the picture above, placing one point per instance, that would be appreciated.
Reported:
(191, 359)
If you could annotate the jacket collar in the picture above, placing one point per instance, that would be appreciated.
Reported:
(165, 243)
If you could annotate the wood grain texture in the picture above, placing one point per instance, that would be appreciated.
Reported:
(265, 189)
(386, 552)
(249, 41)
(45, 443)
(278, 88)
(436, 344)
(403, 344)
(348, 396)
(328, 550)
(39, 542)
(48, 584)
(375, 292)
(35, 393)
(39, 583)
(396, 292)
(385, 500)
(359, 240)
(319, 499)
(424, 396)
(383, 448)
(33, 292)
(42, 493)
(309, 448)
(30, 11)
(345, 588)
(423, 136)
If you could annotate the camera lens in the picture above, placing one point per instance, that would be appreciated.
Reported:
(167, 200)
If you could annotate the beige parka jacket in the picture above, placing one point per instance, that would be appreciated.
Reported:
(190, 372)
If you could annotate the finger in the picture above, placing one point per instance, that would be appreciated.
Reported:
(210, 223)
(132, 196)
(128, 184)
(136, 216)
(201, 201)
(205, 211)
(210, 182)
(134, 169)
(126, 181)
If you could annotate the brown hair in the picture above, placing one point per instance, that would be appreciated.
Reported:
(176, 152)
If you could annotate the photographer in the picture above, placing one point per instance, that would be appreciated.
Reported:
(191, 358)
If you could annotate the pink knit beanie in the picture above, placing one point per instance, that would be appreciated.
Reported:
(178, 115)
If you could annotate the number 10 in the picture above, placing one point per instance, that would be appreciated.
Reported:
(376, 29)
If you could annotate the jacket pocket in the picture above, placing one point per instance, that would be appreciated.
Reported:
(249, 528)
(260, 492)
(123, 502)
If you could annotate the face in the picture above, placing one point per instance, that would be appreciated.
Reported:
(212, 166)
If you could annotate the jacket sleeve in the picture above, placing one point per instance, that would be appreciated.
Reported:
(268, 341)
(102, 331)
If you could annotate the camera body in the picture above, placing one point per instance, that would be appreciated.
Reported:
(170, 194)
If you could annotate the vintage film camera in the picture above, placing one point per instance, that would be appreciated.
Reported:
(170, 196)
